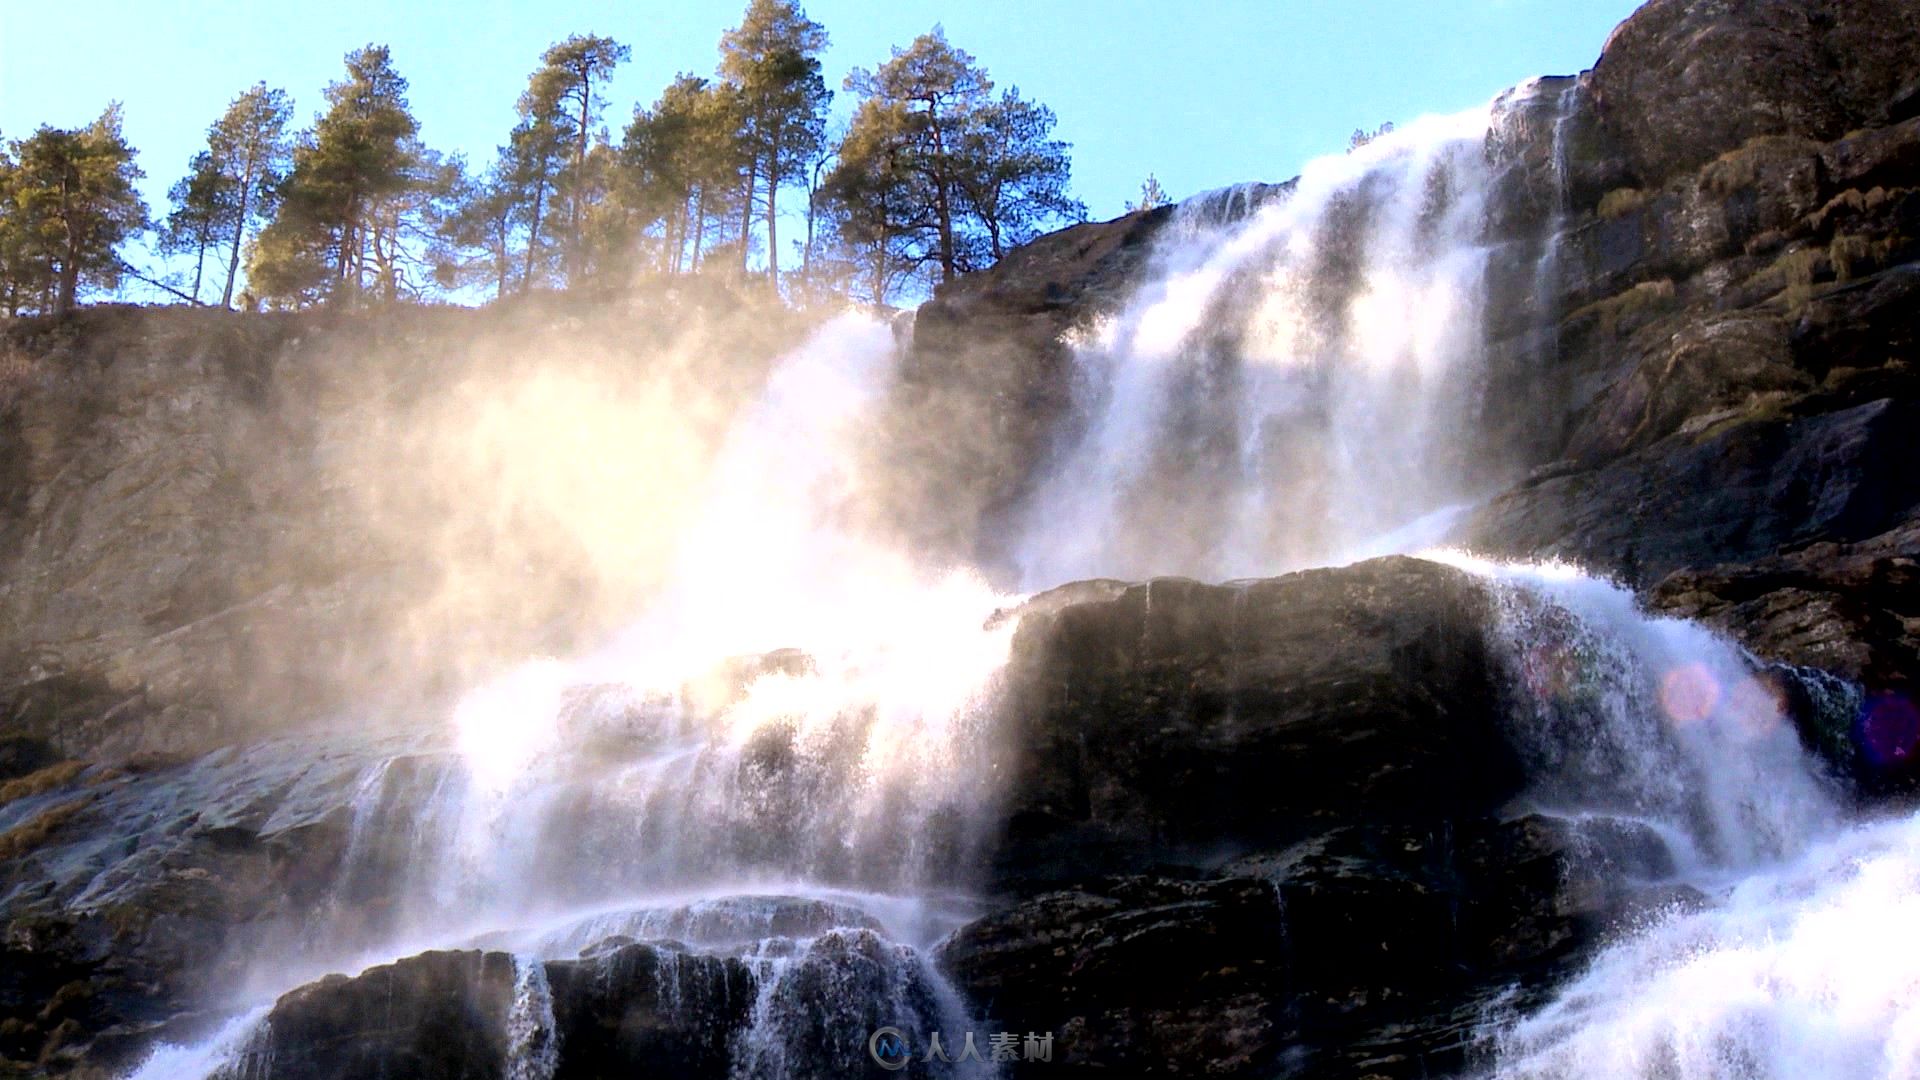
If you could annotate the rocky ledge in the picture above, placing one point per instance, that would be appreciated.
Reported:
(1253, 827)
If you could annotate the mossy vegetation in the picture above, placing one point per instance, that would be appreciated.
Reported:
(1798, 269)
(1620, 202)
(1774, 405)
(41, 781)
(1638, 304)
(1852, 203)
(1855, 256)
(32, 834)
(1741, 168)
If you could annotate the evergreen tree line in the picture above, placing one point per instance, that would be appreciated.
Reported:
(936, 173)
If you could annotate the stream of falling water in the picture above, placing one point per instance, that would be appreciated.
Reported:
(1288, 387)
(784, 759)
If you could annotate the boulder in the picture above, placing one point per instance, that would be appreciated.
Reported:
(435, 1016)
(988, 377)
(1177, 722)
(648, 1010)
(1144, 975)
(1749, 487)
(1368, 950)
(1684, 81)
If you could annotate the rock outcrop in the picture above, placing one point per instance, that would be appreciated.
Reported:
(214, 524)
(1266, 828)
(1176, 722)
(1261, 828)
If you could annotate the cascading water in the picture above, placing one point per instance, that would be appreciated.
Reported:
(784, 762)
(1657, 723)
(1791, 959)
(1804, 969)
(1288, 386)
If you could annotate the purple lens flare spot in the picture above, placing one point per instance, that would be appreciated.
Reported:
(1888, 729)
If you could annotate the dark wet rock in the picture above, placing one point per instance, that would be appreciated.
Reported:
(145, 889)
(988, 377)
(436, 1016)
(647, 1010)
(1365, 951)
(1144, 975)
(635, 1010)
(1684, 81)
(1748, 488)
(1840, 618)
(1181, 722)
(1839, 607)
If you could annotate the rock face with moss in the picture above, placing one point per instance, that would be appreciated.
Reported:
(1255, 829)
(1702, 325)
(214, 522)
(1728, 392)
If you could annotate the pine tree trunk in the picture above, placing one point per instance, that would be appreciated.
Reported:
(69, 286)
(579, 182)
(746, 214)
(70, 263)
(533, 234)
(200, 264)
(239, 230)
(940, 202)
(699, 226)
(773, 230)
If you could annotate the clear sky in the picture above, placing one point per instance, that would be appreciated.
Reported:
(1202, 93)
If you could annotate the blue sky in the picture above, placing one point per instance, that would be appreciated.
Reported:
(1203, 93)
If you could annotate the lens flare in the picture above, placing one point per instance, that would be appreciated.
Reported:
(1689, 693)
(1889, 729)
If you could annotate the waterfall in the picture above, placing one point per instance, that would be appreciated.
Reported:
(1805, 970)
(1287, 386)
(1795, 960)
(1623, 718)
(533, 1049)
(784, 760)
(234, 1052)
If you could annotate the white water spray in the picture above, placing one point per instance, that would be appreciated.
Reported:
(533, 1041)
(1659, 722)
(1285, 388)
(1292, 386)
(1809, 970)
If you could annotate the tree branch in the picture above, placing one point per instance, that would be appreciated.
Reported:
(127, 268)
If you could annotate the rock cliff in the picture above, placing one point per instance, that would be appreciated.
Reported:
(1261, 828)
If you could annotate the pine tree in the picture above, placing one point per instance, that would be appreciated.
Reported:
(1361, 136)
(772, 60)
(476, 239)
(683, 161)
(250, 149)
(564, 100)
(537, 150)
(204, 205)
(927, 96)
(1152, 196)
(70, 204)
(1015, 174)
(936, 172)
(23, 277)
(335, 227)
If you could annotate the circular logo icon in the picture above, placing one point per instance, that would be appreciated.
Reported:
(889, 1049)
